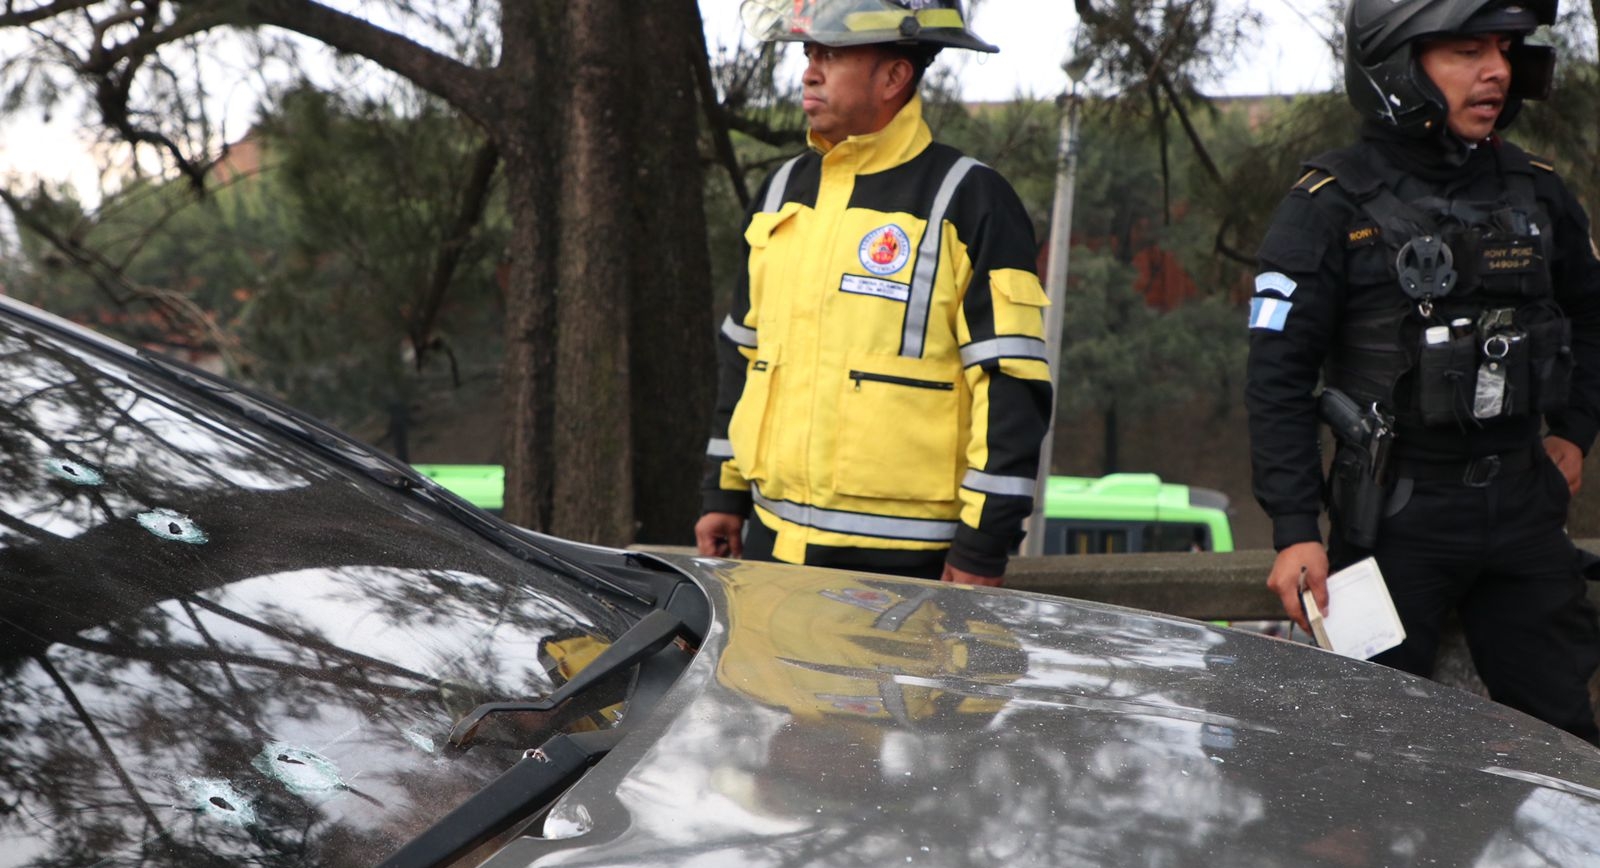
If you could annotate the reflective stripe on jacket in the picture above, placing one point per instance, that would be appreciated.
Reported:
(884, 385)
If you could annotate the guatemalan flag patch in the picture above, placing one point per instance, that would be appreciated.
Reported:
(1269, 313)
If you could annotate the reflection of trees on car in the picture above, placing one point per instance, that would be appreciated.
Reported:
(166, 689)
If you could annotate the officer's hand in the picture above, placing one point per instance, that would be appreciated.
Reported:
(959, 576)
(1569, 460)
(1286, 576)
(717, 534)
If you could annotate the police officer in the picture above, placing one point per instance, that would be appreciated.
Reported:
(884, 386)
(1444, 281)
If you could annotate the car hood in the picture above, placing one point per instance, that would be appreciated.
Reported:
(845, 719)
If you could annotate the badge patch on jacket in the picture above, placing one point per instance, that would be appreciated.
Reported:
(885, 250)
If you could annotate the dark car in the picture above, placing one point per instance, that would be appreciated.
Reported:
(231, 636)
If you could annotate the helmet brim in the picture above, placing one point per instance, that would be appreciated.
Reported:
(939, 37)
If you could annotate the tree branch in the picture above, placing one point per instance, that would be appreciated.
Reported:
(1152, 62)
(717, 117)
(173, 306)
(465, 87)
(188, 23)
(475, 196)
(13, 18)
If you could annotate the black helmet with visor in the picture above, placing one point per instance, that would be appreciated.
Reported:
(1385, 81)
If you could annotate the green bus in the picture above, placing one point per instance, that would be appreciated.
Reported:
(1133, 512)
(1122, 512)
(482, 485)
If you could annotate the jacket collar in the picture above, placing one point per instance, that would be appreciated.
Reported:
(906, 136)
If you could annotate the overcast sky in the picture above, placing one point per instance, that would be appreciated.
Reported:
(1032, 35)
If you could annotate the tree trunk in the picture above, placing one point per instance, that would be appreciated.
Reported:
(672, 334)
(593, 480)
(528, 143)
(609, 371)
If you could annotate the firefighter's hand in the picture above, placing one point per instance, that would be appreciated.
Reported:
(717, 534)
(1300, 566)
(962, 577)
(1569, 460)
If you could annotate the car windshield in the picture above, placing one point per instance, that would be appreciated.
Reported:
(218, 647)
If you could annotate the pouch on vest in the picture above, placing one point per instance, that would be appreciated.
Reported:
(1552, 363)
(1447, 368)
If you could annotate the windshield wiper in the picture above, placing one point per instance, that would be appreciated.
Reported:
(650, 635)
(545, 772)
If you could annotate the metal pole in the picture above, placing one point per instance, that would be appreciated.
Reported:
(1055, 315)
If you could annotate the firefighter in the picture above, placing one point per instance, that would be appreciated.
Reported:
(883, 385)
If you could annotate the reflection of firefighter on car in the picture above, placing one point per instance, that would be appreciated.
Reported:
(872, 649)
(563, 656)
(875, 676)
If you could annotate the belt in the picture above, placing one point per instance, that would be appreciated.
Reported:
(1476, 472)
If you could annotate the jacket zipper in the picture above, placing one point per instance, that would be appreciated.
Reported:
(858, 376)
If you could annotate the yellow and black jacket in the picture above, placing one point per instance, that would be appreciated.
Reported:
(884, 387)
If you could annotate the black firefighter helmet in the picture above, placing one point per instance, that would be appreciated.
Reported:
(1384, 80)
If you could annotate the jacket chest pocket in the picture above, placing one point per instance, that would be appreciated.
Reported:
(750, 429)
(899, 429)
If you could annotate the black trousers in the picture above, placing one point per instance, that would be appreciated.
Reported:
(759, 539)
(1500, 557)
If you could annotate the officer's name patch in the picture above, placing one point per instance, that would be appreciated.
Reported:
(873, 286)
(885, 250)
(1362, 235)
(1269, 313)
(1508, 258)
(1276, 281)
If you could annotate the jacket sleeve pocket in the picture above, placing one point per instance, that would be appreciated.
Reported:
(899, 429)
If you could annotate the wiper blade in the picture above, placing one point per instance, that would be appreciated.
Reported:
(542, 774)
(643, 639)
(546, 772)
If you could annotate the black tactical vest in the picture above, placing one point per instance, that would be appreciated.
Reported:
(1473, 332)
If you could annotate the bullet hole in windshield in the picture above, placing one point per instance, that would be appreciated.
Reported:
(421, 741)
(74, 472)
(218, 800)
(302, 771)
(173, 526)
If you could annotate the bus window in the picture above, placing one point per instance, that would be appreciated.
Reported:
(1173, 537)
(1093, 538)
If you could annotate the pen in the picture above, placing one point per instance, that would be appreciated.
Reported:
(1304, 612)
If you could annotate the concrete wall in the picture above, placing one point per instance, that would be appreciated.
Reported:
(1212, 586)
